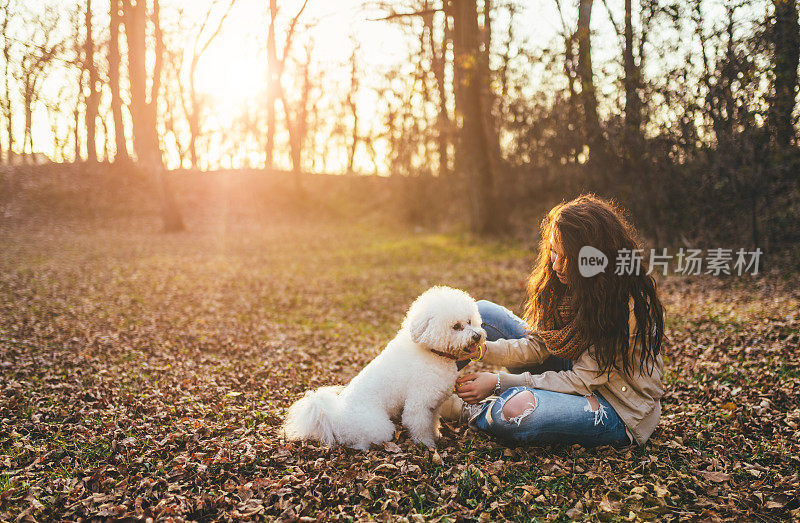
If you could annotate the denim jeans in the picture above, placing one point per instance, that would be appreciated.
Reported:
(556, 417)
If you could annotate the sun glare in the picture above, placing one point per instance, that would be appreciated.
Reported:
(231, 76)
(232, 71)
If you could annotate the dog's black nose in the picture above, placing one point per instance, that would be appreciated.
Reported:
(476, 337)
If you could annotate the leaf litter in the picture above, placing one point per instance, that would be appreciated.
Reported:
(146, 376)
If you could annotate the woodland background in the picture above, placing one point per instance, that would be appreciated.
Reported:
(687, 117)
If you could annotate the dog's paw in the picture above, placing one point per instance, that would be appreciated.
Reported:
(426, 440)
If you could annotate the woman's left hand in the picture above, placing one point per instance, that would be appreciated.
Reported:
(473, 388)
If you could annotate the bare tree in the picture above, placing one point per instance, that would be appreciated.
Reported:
(438, 65)
(477, 138)
(106, 139)
(248, 126)
(435, 38)
(718, 76)
(594, 131)
(79, 101)
(93, 98)
(120, 143)
(143, 112)
(297, 114)
(144, 101)
(7, 112)
(275, 69)
(633, 104)
(54, 108)
(42, 49)
(273, 82)
(485, 14)
(173, 114)
(568, 35)
(786, 54)
(350, 101)
(633, 60)
(194, 109)
(438, 52)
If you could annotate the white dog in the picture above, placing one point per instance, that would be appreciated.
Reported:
(413, 375)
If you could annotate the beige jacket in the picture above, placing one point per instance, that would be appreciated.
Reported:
(636, 400)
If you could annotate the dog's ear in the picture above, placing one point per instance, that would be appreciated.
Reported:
(418, 327)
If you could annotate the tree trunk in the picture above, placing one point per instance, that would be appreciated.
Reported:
(351, 104)
(156, 77)
(6, 94)
(574, 96)
(7, 98)
(273, 83)
(297, 124)
(594, 132)
(786, 42)
(135, 27)
(92, 101)
(145, 134)
(77, 130)
(754, 220)
(486, 29)
(171, 216)
(297, 129)
(633, 111)
(443, 124)
(193, 115)
(477, 139)
(27, 137)
(120, 143)
(104, 125)
(76, 113)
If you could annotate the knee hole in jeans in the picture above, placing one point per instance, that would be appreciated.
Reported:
(519, 406)
(593, 405)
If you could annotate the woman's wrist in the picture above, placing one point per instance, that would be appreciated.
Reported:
(497, 390)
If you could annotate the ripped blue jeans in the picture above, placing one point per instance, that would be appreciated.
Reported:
(551, 417)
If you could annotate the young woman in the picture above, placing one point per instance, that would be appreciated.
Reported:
(585, 365)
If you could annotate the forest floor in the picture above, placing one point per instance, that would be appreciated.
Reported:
(147, 375)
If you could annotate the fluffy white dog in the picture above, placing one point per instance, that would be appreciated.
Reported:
(413, 375)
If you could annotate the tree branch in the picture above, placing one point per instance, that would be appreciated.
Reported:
(290, 34)
(392, 16)
(217, 30)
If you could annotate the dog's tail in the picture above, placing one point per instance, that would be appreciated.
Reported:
(313, 416)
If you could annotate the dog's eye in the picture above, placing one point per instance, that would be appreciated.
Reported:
(457, 327)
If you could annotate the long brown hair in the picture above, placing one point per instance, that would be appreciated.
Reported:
(601, 301)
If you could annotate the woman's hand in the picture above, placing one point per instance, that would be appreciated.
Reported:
(473, 388)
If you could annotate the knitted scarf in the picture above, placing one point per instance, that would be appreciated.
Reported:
(562, 337)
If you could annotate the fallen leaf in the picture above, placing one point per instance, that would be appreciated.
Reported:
(390, 446)
(575, 512)
(660, 490)
(716, 477)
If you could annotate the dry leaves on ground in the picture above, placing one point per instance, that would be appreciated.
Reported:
(147, 376)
